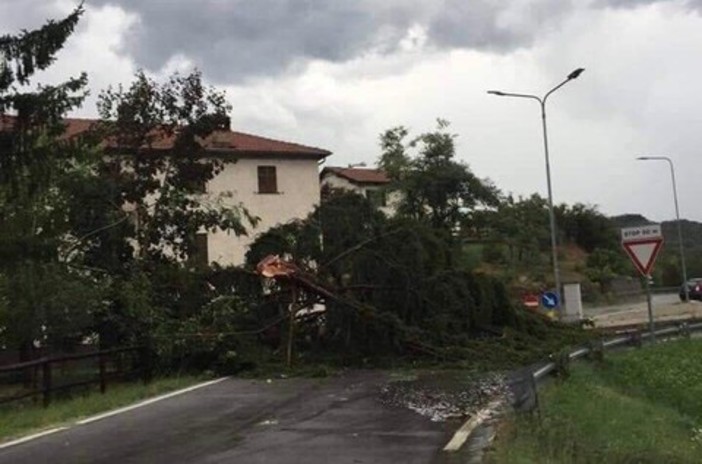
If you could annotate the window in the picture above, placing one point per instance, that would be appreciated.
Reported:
(376, 197)
(267, 179)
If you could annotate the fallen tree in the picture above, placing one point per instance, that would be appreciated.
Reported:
(389, 287)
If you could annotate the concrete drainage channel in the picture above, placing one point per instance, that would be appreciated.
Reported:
(476, 435)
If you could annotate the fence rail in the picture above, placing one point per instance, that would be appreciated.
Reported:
(43, 368)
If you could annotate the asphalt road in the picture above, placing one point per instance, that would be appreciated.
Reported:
(335, 420)
(657, 300)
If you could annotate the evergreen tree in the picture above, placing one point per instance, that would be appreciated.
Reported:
(38, 166)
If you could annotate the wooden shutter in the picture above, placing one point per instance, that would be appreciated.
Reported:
(267, 179)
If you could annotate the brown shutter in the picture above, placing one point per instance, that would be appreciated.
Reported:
(267, 179)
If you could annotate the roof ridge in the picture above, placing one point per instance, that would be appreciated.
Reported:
(359, 175)
(249, 134)
(279, 141)
(248, 142)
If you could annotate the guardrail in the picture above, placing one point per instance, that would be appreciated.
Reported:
(633, 337)
(42, 368)
(524, 383)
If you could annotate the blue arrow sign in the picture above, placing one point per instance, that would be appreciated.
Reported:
(549, 300)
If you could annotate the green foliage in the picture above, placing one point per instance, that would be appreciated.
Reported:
(604, 265)
(401, 289)
(38, 302)
(521, 224)
(160, 186)
(584, 420)
(211, 338)
(669, 374)
(38, 167)
(97, 228)
(434, 186)
(587, 227)
(639, 406)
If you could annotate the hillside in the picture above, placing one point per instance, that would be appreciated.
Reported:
(692, 230)
(667, 266)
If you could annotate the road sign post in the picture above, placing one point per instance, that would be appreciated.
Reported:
(651, 324)
(643, 244)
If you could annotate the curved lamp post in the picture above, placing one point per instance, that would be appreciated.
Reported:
(677, 217)
(552, 217)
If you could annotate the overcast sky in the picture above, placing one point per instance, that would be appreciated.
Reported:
(337, 73)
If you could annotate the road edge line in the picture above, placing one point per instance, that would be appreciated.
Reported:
(19, 441)
(147, 402)
(462, 434)
(105, 415)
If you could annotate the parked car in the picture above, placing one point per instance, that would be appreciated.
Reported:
(694, 288)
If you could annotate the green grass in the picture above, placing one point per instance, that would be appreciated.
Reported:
(642, 406)
(18, 419)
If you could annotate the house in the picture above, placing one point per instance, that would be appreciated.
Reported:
(276, 181)
(371, 183)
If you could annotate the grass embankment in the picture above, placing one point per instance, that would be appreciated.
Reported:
(21, 418)
(642, 406)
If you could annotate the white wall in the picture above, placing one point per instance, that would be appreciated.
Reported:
(334, 181)
(298, 193)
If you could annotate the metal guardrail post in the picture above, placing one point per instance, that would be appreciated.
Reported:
(636, 339)
(684, 330)
(562, 367)
(535, 390)
(596, 350)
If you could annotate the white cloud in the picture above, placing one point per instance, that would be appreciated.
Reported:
(97, 47)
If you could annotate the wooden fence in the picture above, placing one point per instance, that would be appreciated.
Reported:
(48, 375)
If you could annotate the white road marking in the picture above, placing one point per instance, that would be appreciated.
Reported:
(141, 404)
(462, 434)
(31, 437)
(111, 413)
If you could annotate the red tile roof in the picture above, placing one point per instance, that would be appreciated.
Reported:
(220, 142)
(359, 176)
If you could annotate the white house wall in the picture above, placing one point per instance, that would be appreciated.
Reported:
(298, 193)
(334, 181)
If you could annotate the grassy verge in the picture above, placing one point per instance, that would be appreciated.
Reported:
(642, 406)
(18, 419)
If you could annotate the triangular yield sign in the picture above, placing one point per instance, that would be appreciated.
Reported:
(643, 253)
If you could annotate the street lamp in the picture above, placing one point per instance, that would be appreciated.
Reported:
(552, 217)
(677, 216)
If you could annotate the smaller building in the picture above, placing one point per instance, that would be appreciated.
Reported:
(372, 183)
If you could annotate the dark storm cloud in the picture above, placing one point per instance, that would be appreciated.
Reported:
(231, 40)
(234, 39)
(692, 4)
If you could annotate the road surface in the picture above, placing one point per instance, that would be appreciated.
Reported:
(336, 420)
(665, 299)
(666, 307)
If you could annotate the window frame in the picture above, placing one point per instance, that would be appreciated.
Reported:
(267, 184)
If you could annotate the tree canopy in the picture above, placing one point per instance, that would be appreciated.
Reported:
(433, 186)
(38, 167)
